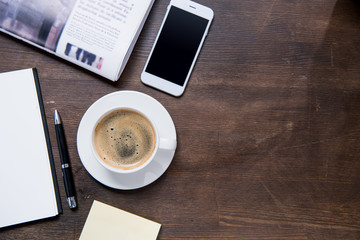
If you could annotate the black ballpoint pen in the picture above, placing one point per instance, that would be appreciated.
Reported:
(65, 163)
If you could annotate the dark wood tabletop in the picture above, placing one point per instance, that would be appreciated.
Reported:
(268, 128)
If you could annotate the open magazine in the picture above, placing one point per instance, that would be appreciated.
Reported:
(98, 35)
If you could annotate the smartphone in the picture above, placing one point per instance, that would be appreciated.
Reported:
(177, 46)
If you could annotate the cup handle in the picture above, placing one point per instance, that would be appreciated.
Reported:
(167, 144)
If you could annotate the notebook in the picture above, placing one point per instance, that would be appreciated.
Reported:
(110, 223)
(28, 184)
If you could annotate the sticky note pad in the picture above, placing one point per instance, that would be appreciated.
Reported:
(107, 222)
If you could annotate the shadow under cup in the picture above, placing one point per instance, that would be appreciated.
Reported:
(125, 140)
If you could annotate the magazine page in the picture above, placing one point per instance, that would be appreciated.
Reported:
(95, 34)
(98, 33)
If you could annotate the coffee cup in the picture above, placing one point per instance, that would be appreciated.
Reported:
(126, 140)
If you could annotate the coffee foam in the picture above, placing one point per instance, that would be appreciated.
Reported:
(124, 139)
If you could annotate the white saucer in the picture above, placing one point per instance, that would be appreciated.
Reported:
(150, 107)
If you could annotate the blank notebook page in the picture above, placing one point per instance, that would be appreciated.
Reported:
(26, 183)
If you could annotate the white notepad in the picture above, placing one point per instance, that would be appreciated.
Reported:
(28, 186)
(110, 223)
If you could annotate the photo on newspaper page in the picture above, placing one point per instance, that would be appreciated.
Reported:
(39, 21)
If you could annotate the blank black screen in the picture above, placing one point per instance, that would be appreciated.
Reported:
(177, 45)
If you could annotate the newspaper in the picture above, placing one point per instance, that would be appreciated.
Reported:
(98, 35)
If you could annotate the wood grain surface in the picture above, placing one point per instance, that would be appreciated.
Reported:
(268, 128)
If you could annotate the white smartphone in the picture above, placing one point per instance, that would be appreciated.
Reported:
(177, 46)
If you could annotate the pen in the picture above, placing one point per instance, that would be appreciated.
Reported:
(65, 163)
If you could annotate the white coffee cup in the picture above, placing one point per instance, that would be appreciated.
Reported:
(116, 149)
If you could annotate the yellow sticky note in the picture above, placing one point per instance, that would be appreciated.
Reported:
(107, 222)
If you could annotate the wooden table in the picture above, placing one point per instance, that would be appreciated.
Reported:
(268, 128)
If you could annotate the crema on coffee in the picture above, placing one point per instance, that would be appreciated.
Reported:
(124, 139)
